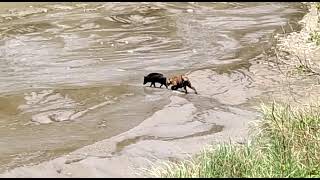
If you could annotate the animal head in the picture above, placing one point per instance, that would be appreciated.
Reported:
(145, 80)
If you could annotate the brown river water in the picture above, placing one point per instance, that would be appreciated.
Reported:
(71, 73)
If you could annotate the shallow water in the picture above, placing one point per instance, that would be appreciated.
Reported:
(71, 73)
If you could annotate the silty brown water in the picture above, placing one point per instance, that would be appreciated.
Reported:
(71, 73)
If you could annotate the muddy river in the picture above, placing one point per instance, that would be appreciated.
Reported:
(71, 73)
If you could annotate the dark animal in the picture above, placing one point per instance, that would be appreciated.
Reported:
(180, 81)
(155, 77)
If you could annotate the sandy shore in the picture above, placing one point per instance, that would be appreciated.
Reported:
(298, 45)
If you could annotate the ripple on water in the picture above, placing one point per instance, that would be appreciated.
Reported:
(48, 106)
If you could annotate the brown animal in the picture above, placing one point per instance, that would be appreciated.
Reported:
(180, 81)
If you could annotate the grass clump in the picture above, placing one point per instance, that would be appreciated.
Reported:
(318, 6)
(315, 37)
(287, 145)
(302, 69)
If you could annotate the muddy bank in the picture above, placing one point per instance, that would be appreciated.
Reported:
(298, 49)
(297, 62)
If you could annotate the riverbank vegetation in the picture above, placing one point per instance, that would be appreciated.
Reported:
(287, 145)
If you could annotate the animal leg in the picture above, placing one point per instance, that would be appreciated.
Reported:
(191, 87)
(154, 84)
(150, 84)
(161, 85)
(185, 88)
